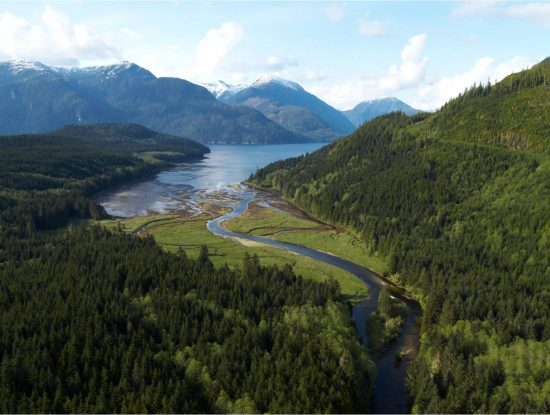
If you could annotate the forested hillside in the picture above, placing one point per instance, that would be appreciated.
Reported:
(464, 225)
(99, 322)
(47, 179)
(512, 113)
(134, 138)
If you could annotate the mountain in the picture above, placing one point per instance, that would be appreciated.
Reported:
(288, 104)
(38, 98)
(222, 90)
(367, 110)
(457, 203)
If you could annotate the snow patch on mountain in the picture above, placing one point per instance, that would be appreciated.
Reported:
(219, 88)
(16, 67)
(265, 80)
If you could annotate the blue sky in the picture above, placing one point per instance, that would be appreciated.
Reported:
(344, 52)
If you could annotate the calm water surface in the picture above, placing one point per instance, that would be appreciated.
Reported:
(177, 188)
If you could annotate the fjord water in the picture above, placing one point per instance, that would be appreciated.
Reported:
(226, 164)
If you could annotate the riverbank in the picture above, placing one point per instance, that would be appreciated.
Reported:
(390, 394)
(179, 231)
(277, 219)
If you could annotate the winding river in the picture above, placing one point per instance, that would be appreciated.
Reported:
(182, 187)
(390, 395)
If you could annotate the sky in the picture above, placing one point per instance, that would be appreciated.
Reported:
(344, 52)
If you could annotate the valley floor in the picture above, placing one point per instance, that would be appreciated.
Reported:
(176, 231)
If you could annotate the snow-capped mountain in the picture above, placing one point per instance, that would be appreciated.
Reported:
(221, 89)
(367, 110)
(288, 104)
(36, 98)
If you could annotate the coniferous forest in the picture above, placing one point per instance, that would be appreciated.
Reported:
(455, 205)
(458, 203)
(95, 321)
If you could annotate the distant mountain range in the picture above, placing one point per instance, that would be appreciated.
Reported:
(39, 98)
(288, 104)
(367, 110)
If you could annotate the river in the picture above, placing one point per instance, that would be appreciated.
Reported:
(180, 188)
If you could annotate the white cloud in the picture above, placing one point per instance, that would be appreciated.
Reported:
(130, 34)
(409, 73)
(214, 47)
(277, 63)
(434, 94)
(467, 8)
(373, 28)
(537, 12)
(334, 12)
(412, 68)
(53, 40)
(281, 66)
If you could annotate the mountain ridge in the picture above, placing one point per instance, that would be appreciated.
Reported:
(367, 110)
(38, 98)
(287, 103)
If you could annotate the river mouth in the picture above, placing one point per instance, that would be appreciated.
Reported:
(188, 190)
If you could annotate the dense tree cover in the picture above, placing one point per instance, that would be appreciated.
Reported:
(512, 113)
(134, 138)
(102, 322)
(45, 180)
(386, 323)
(93, 321)
(465, 226)
(465, 368)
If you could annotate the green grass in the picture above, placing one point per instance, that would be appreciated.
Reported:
(173, 232)
(264, 222)
(341, 244)
(287, 228)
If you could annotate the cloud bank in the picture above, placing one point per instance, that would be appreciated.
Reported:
(53, 40)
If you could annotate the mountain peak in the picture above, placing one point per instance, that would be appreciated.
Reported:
(112, 70)
(17, 66)
(219, 87)
(367, 110)
(268, 79)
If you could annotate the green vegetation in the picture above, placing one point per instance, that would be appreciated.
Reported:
(481, 373)
(385, 325)
(512, 113)
(103, 322)
(463, 219)
(175, 232)
(93, 320)
(286, 227)
(47, 179)
(134, 138)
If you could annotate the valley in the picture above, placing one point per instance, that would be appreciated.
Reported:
(232, 221)
(274, 207)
